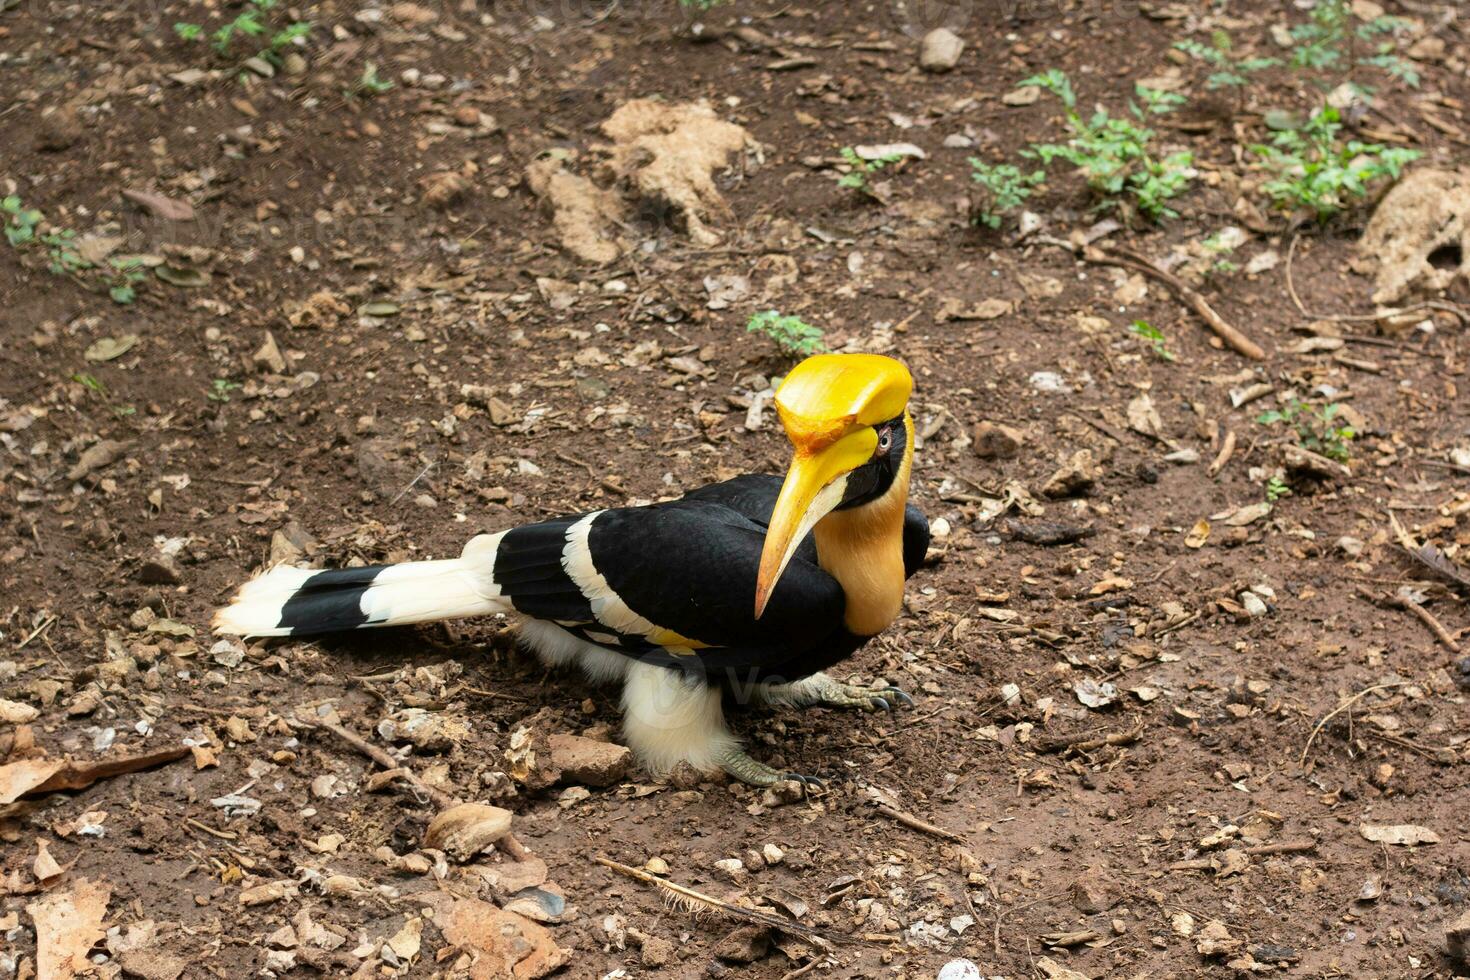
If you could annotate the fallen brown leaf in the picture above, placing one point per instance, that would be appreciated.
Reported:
(68, 923)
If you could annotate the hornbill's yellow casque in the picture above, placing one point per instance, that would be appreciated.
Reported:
(752, 586)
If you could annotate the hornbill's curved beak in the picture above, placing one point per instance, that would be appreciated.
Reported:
(814, 486)
(828, 404)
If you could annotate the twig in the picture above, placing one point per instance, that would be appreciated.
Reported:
(1086, 742)
(691, 900)
(1348, 703)
(412, 483)
(1227, 449)
(1124, 259)
(443, 801)
(1427, 618)
(36, 632)
(924, 826)
(1283, 847)
(803, 971)
(439, 798)
(1449, 308)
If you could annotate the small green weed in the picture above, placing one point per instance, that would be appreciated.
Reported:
(860, 170)
(1155, 338)
(20, 222)
(1327, 39)
(1276, 488)
(1316, 172)
(1006, 186)
(25, 229)
(220, 388)
(793, 335)
(1317, 429)
(370, 84)
(700, 4)
(1230, 71)
(1113, 152)
(256, 20)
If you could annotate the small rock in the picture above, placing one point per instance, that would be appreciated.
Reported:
(657, 952)
(59, 130)
(1074, 477)
(732, 868)
(467, 115)
(1350, 546)
(294, 64)
(1255, 607)
(160, 570)
(586, 760)
(940, 50)
(1025, 95)
(960, 970)
(269, 357)
(1457, 939)
(1094, 891)
(772, 854)
(992, 440)
(465, 830)
(745, 945)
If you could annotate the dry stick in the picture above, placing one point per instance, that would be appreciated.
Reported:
(439, 798)
(692, 900)
(1340, 709)
(442, 800)
(1362, 317)
(1125, 259)
(1086, 743)
(1227, 449)
(1283, 847)
(1427, 618)
(909, 820)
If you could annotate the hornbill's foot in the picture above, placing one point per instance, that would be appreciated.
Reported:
(742, 767)
(823, 690)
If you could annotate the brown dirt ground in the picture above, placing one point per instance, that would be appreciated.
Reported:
(1072, 856)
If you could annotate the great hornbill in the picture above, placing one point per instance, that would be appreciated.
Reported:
(751, 587)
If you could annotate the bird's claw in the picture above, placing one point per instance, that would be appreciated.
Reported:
(754, 773)
(835, 694)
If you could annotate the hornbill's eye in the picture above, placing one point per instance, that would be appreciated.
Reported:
(885, 438)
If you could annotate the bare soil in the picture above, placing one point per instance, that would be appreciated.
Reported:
(444, 367)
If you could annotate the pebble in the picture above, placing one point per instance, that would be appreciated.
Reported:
(959, 970)
(1255, 607)
(940, 50)
(773, 854)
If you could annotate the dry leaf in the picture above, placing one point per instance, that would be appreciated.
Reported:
(68, 923)
(1198, 534)
(36, 776)
(1404, 834)
(163, 207)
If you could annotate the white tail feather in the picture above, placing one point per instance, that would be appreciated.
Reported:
(412, 592)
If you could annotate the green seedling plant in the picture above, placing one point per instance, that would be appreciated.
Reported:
(220, 388)
(1229, 70)
(1317, 429)
(1154, 337)
(860, 170)
(20, 221)
(370, 84)
(1114, 153)
(1327, 40)
(1007, 186)
(1316, 172)
(791, 334)
(1276, 488)
(255, 21)
(25, 229)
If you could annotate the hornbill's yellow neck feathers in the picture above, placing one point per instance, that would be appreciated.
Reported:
(842, 412)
